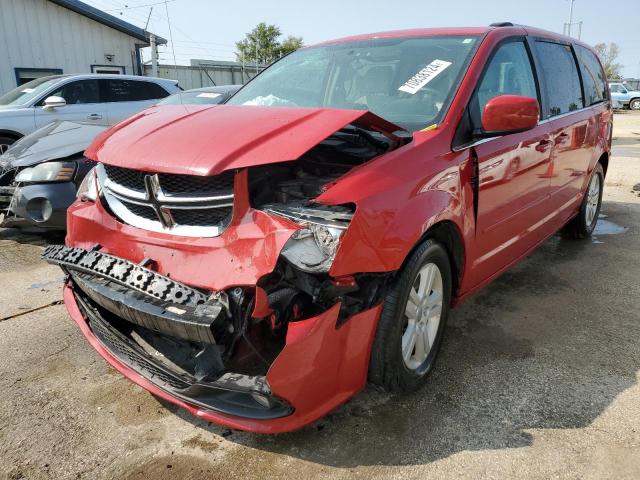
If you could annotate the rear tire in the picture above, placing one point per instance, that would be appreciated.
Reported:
(584, 223)
(415, 310)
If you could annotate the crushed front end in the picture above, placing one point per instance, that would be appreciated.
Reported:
(214, 292)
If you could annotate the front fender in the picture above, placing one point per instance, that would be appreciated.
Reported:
(379, 240)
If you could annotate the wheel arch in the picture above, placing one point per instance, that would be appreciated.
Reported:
(447, 234)
(604, 161)
(10, 133)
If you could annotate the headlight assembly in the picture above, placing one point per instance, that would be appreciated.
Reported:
(313, 247)
(88, 189)
(47, 172)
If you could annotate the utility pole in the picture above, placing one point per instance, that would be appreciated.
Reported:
(154, 55)
(570, 17)
(257, 48)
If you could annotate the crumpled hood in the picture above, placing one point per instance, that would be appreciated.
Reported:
(206, 140)
(59, 139)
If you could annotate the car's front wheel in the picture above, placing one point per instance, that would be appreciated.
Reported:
(634, 104)
(5, 143)
(583, 225)
(413, 320)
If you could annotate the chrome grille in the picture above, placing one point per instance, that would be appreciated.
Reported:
(185, 205)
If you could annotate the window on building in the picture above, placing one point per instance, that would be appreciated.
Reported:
(559, 74)
(108, 69)
(133, 91)
(26, 75)
(593, 77)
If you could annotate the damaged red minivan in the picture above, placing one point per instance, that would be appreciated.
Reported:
(258, 262)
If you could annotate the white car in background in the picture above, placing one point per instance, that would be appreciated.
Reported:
(100, 99)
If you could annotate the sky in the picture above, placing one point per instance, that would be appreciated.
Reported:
(208, 29)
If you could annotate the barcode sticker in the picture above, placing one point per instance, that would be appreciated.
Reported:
(424, 76)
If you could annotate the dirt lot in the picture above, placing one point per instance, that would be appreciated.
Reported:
(538, 378)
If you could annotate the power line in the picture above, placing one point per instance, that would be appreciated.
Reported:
(127, 7)
(166, 7)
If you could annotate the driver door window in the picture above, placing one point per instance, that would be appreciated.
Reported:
(78, 93)
(83, 104)
(509, 73)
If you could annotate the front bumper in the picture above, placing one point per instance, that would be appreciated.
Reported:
(321, 364)
(319, 368)
(42, 205)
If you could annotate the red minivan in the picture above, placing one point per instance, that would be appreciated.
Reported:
(258, 262)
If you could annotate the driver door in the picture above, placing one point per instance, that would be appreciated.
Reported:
(513, 169)
(83, 104)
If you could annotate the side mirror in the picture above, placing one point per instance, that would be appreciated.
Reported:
(509, 114)
(52, 102)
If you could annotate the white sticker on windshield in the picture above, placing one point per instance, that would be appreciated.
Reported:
(467, 40)
(27, 90)
(424, 76)
(209, 95)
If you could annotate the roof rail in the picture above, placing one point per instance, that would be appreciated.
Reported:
(502, 24)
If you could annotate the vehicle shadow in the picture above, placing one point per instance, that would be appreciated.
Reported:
(549, 345)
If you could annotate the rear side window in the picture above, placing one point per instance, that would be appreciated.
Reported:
(509, 73)
(559, 75)
(593, 77)
(133, 91)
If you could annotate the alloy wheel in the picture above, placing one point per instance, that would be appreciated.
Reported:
(635, 105)
(423, 313)
(3, 148)
(593, 199)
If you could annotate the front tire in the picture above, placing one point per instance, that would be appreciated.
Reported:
(5, 143)
(634, 104)
(584, 223)
(413, 319)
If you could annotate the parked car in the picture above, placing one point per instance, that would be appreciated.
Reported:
(40, 174)
(32, 196)
(257, 264)
(202, 96)
(628, 98)
(100, 99)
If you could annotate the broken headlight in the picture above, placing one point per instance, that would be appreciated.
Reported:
(313, 247)
(88, 189)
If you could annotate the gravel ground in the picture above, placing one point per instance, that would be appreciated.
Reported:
(538, 378)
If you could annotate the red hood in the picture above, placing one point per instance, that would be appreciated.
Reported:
(207, 140)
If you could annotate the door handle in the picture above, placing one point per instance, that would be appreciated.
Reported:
(543, 146)
(561, 138)
(95, 116)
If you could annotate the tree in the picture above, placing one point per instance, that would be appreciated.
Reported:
(262, 45)
(290, 44)
(608, 55)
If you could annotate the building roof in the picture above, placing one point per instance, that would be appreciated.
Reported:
(108, 20)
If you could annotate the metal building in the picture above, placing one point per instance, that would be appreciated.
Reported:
(45, 37)
(206, 73)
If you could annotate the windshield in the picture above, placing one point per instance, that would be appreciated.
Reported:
(27, 92)
(408, 81)
(194, 98)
